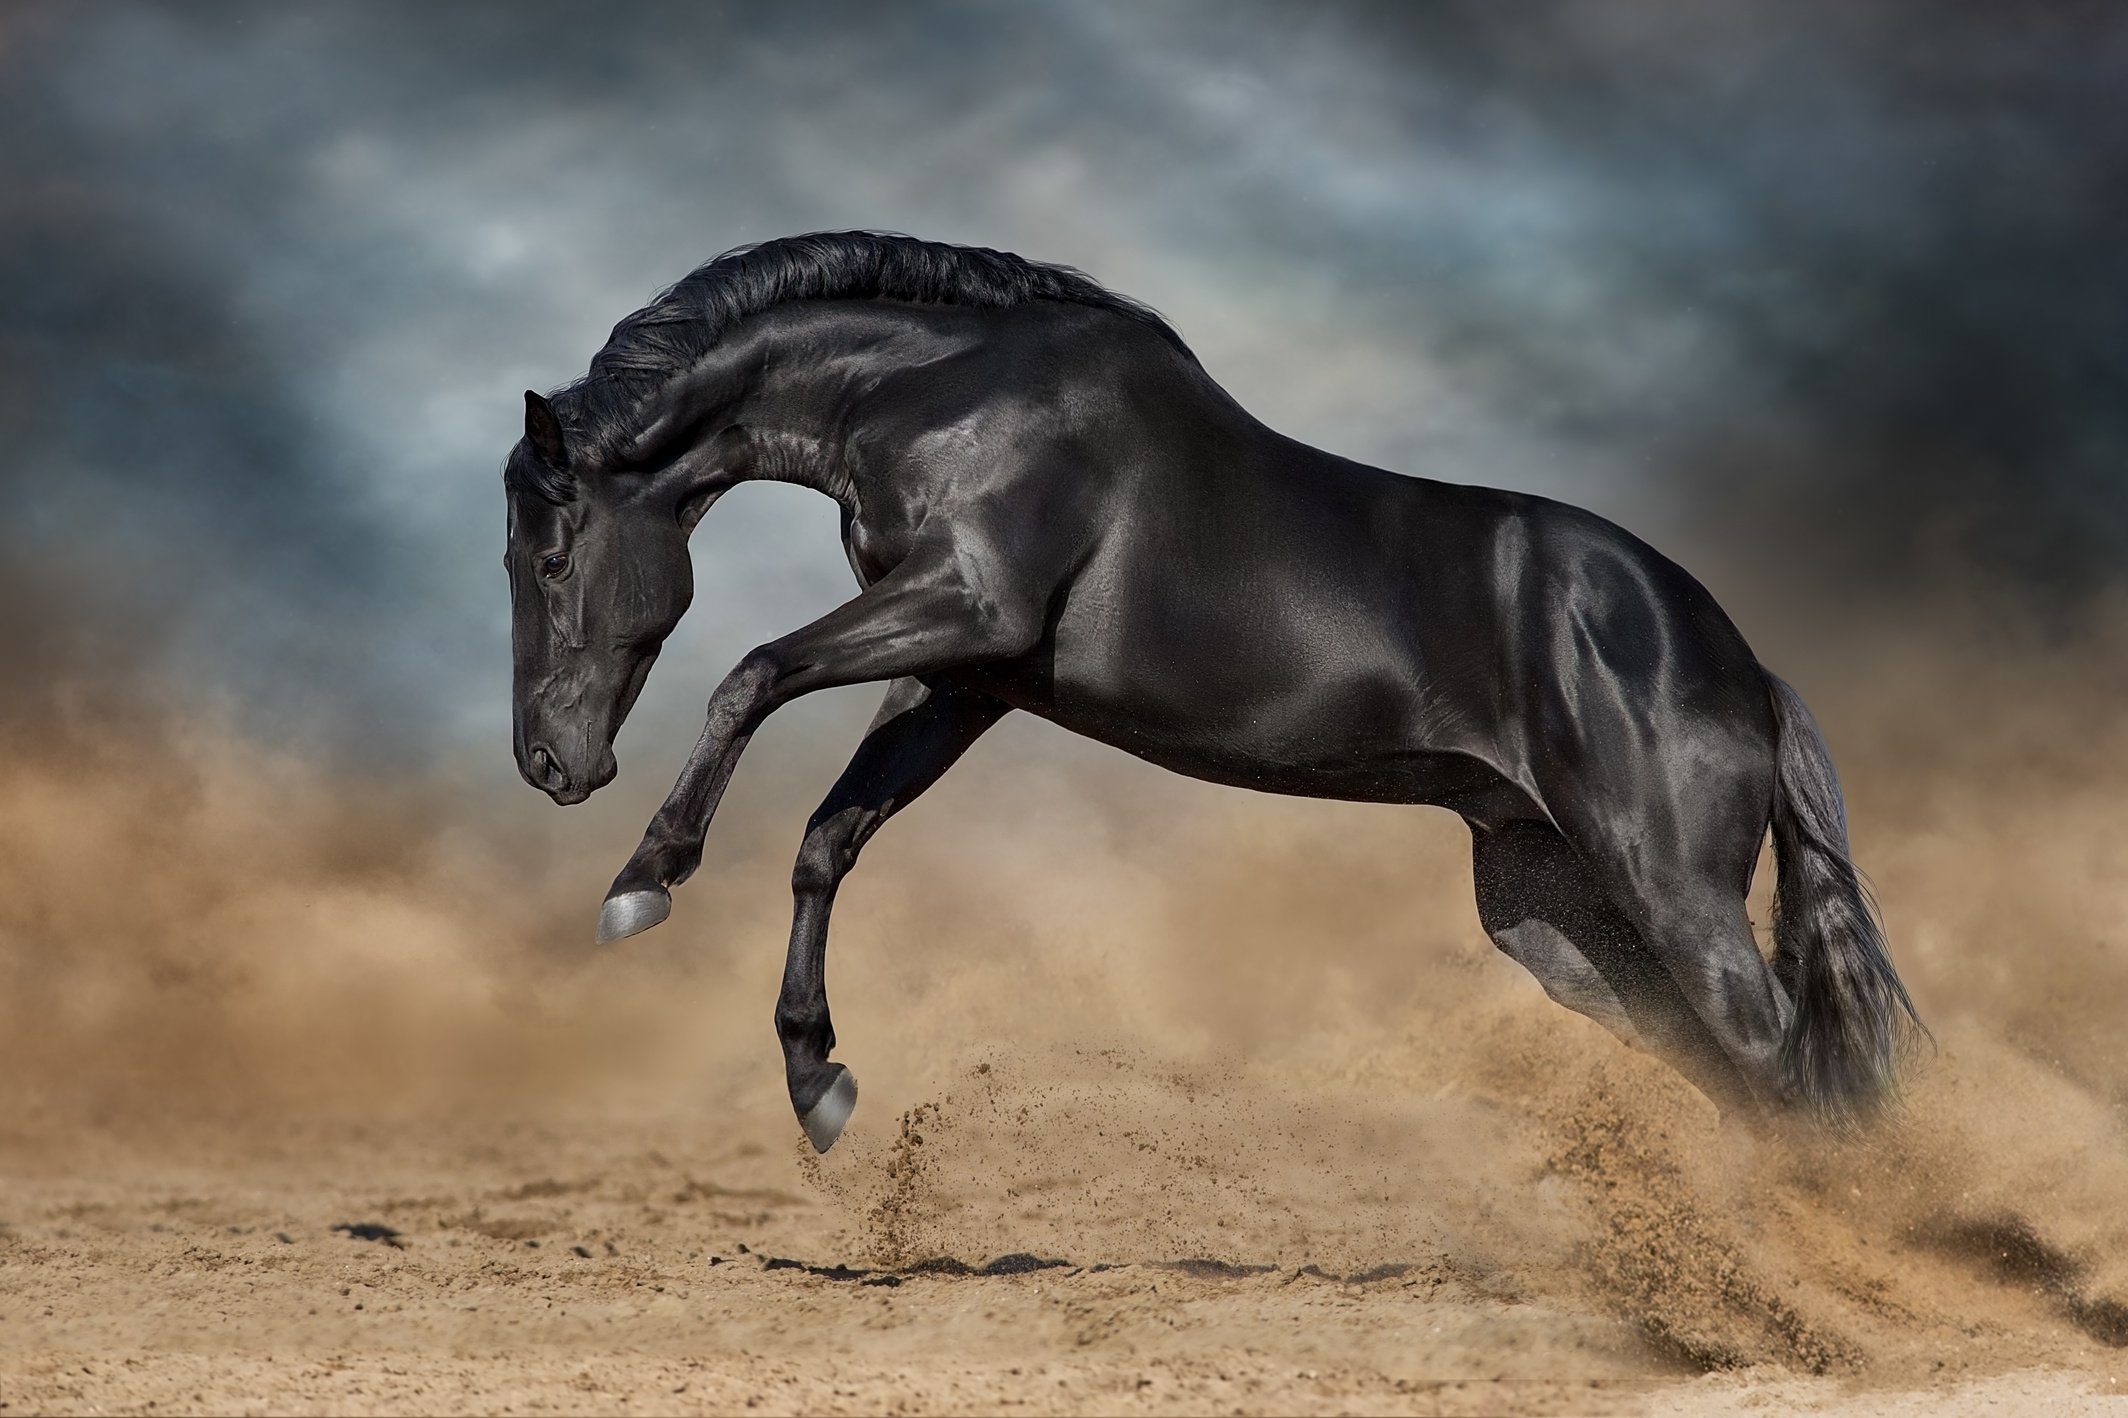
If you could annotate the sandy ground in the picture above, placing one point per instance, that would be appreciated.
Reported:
(1240, 1114)
(1122, 1237)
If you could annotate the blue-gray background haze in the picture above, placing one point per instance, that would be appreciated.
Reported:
(1820, 298)
(1828, 300)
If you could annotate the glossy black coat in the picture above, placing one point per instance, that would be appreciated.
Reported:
(1051, 507)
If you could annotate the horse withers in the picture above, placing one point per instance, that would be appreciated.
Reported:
(1050, 506)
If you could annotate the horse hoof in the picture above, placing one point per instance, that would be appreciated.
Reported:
(631, 913)
(825, 1120)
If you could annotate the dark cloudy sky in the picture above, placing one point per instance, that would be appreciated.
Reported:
(1832, 292)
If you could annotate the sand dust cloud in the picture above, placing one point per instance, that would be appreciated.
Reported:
(1246, 1067)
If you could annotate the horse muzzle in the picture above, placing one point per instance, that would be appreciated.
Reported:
(544, 770)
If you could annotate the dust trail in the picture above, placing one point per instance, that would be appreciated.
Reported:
(1128, 1020)
(1284, 1042)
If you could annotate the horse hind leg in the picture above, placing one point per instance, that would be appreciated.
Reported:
(1678, 867)
(1545, 911)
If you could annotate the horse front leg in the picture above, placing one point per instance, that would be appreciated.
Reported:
(921, 730)
(922, 619)
(671, 848)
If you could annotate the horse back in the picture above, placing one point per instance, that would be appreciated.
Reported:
(1238, 605)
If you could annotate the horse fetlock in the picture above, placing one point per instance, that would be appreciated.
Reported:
(806, 1032)
(627, 913)
(658, 864)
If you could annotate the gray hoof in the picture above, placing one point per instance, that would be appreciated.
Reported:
(626, 915)
(825, 1120)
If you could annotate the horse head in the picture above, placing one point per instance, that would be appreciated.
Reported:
(599, 576)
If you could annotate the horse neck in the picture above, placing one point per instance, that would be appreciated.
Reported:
(797, 372)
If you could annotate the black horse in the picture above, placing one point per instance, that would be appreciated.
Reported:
(1050, 506)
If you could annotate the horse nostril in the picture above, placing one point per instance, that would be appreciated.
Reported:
(545, 771)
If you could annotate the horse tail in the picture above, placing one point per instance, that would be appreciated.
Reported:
(1852, 1021)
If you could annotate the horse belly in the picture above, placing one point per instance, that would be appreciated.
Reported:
(1240, 690)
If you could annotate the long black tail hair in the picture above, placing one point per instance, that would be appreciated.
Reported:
(1853, 1022)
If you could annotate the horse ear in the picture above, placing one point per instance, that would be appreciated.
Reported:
(544, 430)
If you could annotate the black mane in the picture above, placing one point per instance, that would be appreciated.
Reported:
(670, 335)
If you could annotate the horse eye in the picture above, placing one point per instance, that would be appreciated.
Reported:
(555, 565)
